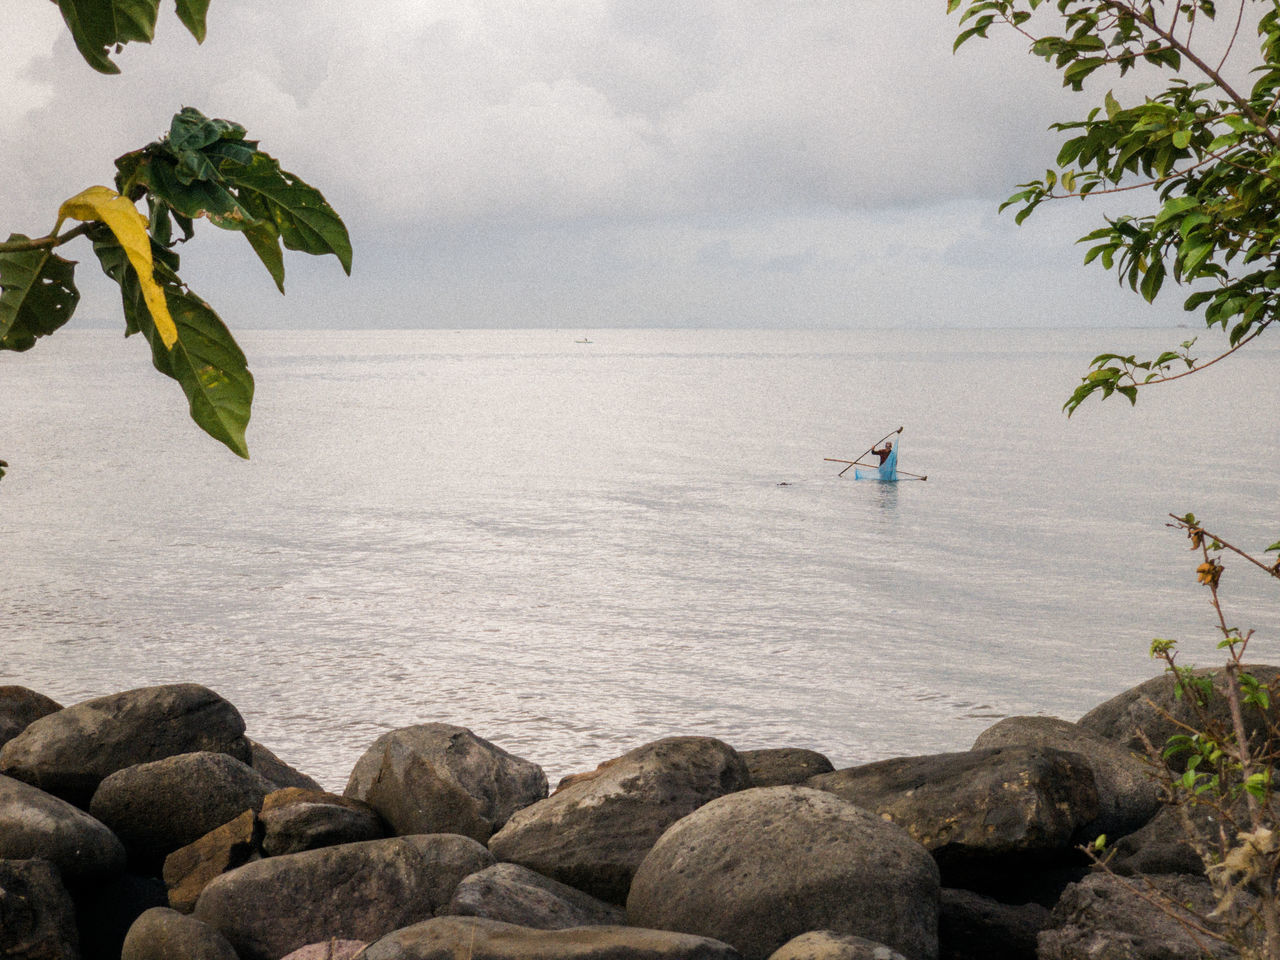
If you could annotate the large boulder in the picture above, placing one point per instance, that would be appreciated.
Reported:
(757, 868)
(164, 934)
(438, 778)
(828, 945)
(515, 894)
(593, 831)
(70, 752)
(1105, 917)
(36, 824)
(37, 917)
(188, 870)
(356, 891)
(448, 938)
(1128, 791)
(276, 770)
(19, 708)
(783, 766)
(1153, 710)
(294, 819)
(978, 811)
(158, 807)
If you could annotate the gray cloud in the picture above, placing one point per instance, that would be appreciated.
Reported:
(588, 163)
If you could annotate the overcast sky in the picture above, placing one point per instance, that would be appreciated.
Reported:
(591, 163)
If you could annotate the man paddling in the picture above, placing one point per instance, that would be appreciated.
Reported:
(883, 452)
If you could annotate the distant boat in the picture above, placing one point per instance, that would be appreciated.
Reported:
(583, 340)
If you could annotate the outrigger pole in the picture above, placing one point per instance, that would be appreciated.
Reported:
(873, 466)
(868, 450)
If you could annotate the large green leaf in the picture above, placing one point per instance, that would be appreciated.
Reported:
(300, 212)
(37, 295)
(192, 14)
(206, 361)
(98, 24)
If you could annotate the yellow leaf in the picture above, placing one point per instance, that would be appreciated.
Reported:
(130, 229)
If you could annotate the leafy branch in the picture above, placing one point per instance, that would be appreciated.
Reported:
(1208, 151)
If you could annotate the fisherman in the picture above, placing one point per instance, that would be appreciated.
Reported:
(883, 452)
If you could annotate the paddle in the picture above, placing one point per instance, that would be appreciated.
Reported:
(868, 450)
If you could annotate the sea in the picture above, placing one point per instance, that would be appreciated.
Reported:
(573, 548)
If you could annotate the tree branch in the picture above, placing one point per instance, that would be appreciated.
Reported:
(44, 243)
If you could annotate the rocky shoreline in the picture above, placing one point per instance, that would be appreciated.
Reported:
(146, 825)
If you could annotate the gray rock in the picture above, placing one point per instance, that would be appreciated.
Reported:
(37, 917)
(757, 868)
(828, 945)
(156, 808)
(449, 938)
(974, 927)
(356, 891)
(188, 870)
(595, 829)
(328, 950)
(1102, 918)
(299, 826)
(1128, 791)
(164, 934)
(1151, 709)
(20, 707)
(783, 766)
(70, 752)
(276, 770)
(515, 894)
(36, 824)
(976, 809)
(438, 778)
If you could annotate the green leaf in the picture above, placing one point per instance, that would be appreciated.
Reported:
(299, 211)
(37, 295)
(206, 361)
(192, 14)
(96, 25)
(265, 241)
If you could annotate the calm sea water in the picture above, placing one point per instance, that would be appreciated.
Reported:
(572, 549)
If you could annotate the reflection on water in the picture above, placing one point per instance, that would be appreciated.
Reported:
(574, 552)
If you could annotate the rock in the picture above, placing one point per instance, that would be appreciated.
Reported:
(106, 911)
(276, 770)
(974, 927)
(783, 766)
(188, 870)
(757, 868)
(329, 950)
(294, 820)
(594, 831)
(1128, 792)
(1128, 716)
(36, 824)
(157, 807)
(164, 934)
(37, 917)
(356, 891)
(982, 811)
(70, 752)
(447, 938)
(438, 778)
(1100, 918)
(20, 707)
(515, 894)
(827, 945)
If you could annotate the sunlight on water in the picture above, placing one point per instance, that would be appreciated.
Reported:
(572, 549)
